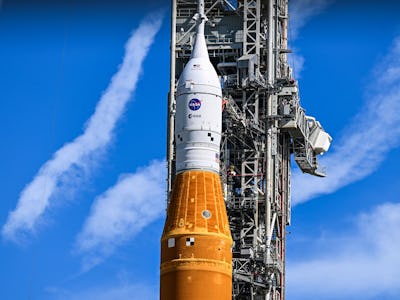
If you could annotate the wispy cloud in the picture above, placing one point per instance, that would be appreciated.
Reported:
(300, 12)
(296, 62)
(374, 131)
(361, 265)
(125, 209)
(77, 157)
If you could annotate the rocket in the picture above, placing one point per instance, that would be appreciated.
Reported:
(196, 256)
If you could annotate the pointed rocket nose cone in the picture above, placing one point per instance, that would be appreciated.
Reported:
(200, 47)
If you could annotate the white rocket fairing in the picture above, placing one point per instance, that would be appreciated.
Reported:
(198, 109)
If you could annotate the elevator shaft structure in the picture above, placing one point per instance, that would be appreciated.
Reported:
(263, 126)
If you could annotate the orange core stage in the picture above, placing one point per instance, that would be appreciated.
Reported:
(196, 257)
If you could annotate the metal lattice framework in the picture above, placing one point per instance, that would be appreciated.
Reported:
(263, 124)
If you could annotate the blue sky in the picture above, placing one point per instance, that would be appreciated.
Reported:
(89, 227)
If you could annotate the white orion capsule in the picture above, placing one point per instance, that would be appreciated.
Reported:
(198, 111)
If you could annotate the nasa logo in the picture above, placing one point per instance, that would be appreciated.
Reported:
(194, 104)
(196, 67)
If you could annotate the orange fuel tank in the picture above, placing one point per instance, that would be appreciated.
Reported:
(196, 257)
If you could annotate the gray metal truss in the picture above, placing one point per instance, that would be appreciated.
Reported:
(263, 124)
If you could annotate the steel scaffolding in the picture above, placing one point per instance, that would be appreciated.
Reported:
(263, 125)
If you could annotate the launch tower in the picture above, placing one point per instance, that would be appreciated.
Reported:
(263, 126)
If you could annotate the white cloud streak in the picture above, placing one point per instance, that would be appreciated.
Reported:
(374, 131)
(300, 12)
(76, 157)
(361, 265)
(296, 62)
(122, 211)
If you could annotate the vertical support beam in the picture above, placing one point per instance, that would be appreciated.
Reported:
(171, 100)
(270, 60)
